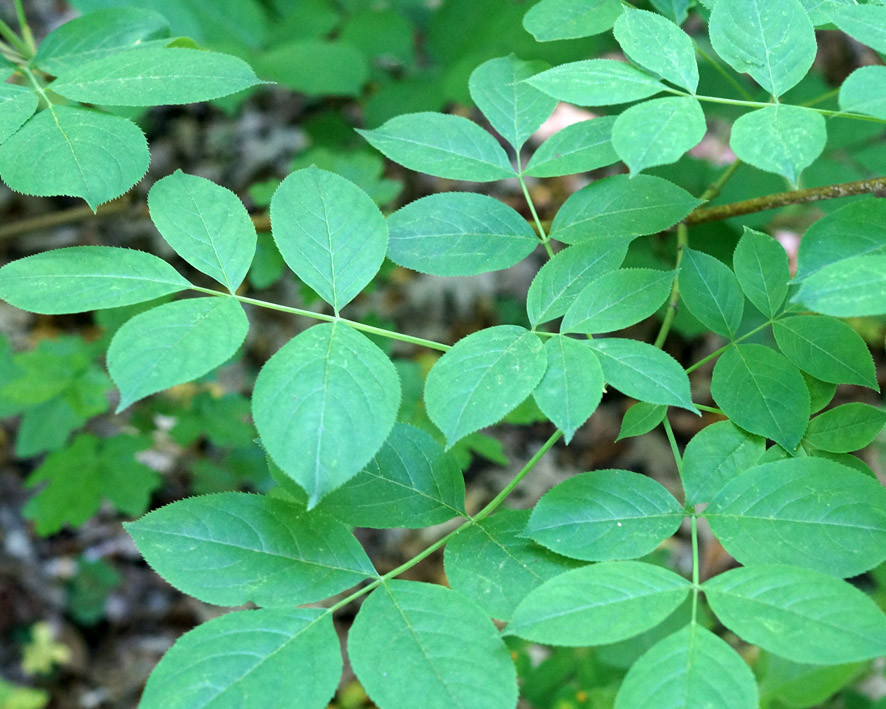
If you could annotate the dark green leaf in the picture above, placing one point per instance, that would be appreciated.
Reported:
(799, 685)
(550, 20)
(316, 67)
(761, 266)
(579, 147)
(658, 132)
(845, 428)
(711, 292)
(715, 455)
(597, 82)
(640, 419)
(657, 44)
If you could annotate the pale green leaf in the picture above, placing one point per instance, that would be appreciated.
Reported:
(459, 234)
(514, 108)
(605, 515)
(866, 23)
(579, 147)
(550, 20)
(762, 392)
(76, 152)
(174, 343)
(560, 280)
(249, 657)
(855, 287)
(803, 615)
(658, 45)
(658, 132)
(761, 266)
(711, 292)
(153, 77)
(827, 348)
(598, 604)
(17, 105)
(82, 278)
(99, 34)
(617, 300)
(715, 455)
(324, 404)
(643, 372)
(807, 512)
(845, 428)
(421, 642)
(774, 42)
(441, 145)
(597, 82)
(621, 206)
(483, 378)
(411, 482)
(640, 419)
(206, 224)
(572, 385)
(330, 232)
(232, 548)
(494, 565)
(781, 139)
(864, 91)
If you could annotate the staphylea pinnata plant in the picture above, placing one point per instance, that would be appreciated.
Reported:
(774, 479)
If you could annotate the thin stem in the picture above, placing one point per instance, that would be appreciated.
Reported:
(674, 300)
(542, 235)
(714, 189)
(66, 216)
(678, 459)
(27, 35)
(782, 199)
(726, 75)
(710, 409)
(7, 33)
(695, 584)
(761, 104)
(717, 353)
(821, 97)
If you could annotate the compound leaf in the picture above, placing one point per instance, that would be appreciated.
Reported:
(605, 515)
(597, 82)
(761, 266)
(657, 44)
(458, 234)
(250, 656)
(763, 393)
(715, 455)
(81, 278)
(415, 639)
(551, 20)
(232, 548)
(845, 428)
(330, 232)
(658, 132)
(711, 292)
(76, 152)
(579, 147)
(324, 404)
(483, 378)
(598, 604)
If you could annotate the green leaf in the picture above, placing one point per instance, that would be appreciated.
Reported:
(605, 515)
(514, 108)
(855, 287)
(598, 604)
(17, 105)
(691, 668)
(411, 482)
(761, 266)
(762, 392)
(248, 657)
(597, 82)
(579, 147)
(206, 224)
(781, 139)
(443, 146)
(76, 152)
(618, 299)
(715, 455)
(827, 348)
(820, 393)
(658, 132)
(572, 385)
(863, 92)
(803, 615)
(711, 292)
(807, 512)
(81, 278)
(321, 436)
(640, 419)
(774, 42)
(483, 378)
(858, 229)
(658, 45)
(674, 10)
(153, 77)
(495, 566)
(799, 685)
(174, 343)
(643, 372)
(330, 232)
(551, 20)
(866, 23)
(459, 234)
(99, 34)
(234, 548)
(413, 640)
(621, 206)
(558, 283)
(845, 428)
(316, 67)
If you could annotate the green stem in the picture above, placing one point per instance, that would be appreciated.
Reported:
(720, 351)
(27, 35)
(761, 104)
(542, 235)
(391, 334)
(695, 574)
(13, 39)
(678, 459)
(821, 97)
(726, 75)
(674, 300)
(709, 409)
